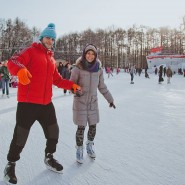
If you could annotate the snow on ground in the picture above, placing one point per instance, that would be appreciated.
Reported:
(141, 142)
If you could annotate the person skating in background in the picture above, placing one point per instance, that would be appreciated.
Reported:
(169, 74)
(66, 73)
(14, 81)
(160, 74)
(117, 70)
(5, 79)
(37, 72)
(146, 73)
(89, 75)
(61, 69)
(164, 71)
(132, 74)
(140, 71)
(109, 71)
(156, 70)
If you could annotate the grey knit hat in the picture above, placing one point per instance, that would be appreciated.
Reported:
(90, 47)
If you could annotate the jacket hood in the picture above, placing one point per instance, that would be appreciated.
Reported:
(79, 65)
(39, 45)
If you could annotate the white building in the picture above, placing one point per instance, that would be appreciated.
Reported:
(157, 58)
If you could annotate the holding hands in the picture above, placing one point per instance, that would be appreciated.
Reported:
(76, 89)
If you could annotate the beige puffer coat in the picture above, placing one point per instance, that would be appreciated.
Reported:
(85, 107)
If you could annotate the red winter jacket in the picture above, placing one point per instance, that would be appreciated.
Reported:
(42, 66)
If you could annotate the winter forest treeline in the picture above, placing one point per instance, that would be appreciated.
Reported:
(117, 47)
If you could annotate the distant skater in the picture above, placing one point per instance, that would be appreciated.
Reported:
(169, 74)
(161, 74)
(132, 74)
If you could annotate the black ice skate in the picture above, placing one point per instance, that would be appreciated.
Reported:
(9, 174)
(52, 164)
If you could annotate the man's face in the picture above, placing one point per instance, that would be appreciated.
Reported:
(48, 42)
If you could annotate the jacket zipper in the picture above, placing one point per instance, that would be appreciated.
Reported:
(46, 78)
(89, 103)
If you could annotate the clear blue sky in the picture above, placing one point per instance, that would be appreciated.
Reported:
(77, 15)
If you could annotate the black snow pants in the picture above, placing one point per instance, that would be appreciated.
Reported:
(26, 115)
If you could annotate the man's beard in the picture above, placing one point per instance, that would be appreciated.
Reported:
(47, 46)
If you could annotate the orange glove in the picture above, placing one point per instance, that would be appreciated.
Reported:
(23, 76)
(75, 87)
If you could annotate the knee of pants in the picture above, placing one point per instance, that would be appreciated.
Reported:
(52, 132)
(21, 135)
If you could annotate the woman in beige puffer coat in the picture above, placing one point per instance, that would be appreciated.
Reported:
(89, 75)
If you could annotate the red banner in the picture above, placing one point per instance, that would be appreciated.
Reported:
(155, 50)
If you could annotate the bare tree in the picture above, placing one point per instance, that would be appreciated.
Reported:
(116, 47)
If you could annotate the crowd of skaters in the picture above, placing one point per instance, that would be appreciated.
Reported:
(181, 71)
(65, 67)
(162, 71)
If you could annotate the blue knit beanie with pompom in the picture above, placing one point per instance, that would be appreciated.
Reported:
(49, 31)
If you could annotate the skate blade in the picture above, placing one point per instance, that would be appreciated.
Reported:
(53, 170)
(79, 161)
(92, 157)
(6, 181)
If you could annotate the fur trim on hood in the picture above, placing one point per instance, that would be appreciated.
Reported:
(78, 63)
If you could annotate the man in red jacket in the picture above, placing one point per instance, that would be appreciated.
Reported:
(37, 72)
